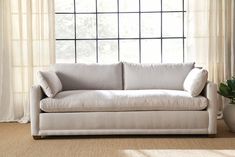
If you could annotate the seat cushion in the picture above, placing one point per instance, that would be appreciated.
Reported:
(155, 76)
(123, 100)
(81, 76)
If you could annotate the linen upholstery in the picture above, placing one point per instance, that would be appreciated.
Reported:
(36, 94)
(155, 76)
(195, 81)
(89, 76)
(49, 82)
(210, 92)
(122, 100)
(44, 133)
(122, 122)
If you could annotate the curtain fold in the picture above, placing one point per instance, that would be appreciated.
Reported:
(210, 38)
(27, 44)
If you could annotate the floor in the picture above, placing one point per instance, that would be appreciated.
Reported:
(15, 140)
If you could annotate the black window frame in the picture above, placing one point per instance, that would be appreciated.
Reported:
(183, 37)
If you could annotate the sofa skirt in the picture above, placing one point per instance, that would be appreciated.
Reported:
(141, 122)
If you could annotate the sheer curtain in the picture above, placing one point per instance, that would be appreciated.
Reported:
(210, 37)
(27, 44)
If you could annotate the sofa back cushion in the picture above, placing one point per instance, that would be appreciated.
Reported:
(156, 76)
(90, 76)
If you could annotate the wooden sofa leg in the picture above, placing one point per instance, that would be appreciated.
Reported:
(211, 135)
(36, 137)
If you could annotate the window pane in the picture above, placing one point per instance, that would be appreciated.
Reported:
(107, 5)
(86, 51)
(172, 25)
(65, 51)
(128, 5)
(107, 26)
(129, 50)
(172, 5)
(86, 26)
(64, 26)
(85, 6)
(64, 6)
(172, 50)
(150, 25)
(151, 51)
(129, 25)
(151, 5)
(108, 51)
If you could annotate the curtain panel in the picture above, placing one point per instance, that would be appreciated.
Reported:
(27, 44)
(210, 38)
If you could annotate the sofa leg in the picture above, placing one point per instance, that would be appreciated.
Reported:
(211, 135)
(36, 137)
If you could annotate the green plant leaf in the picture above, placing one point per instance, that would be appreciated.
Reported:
(231, 84)
(225, 90)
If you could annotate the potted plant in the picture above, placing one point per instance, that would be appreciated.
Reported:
(227, 90)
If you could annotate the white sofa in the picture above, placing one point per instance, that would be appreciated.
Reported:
(123, 98)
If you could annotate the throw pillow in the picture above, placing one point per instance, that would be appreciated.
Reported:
(195, 81)
(49, 82)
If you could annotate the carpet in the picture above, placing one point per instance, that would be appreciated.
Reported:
(15, 140)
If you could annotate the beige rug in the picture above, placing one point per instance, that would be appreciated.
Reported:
(15, 140)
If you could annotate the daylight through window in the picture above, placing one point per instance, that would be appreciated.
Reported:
(106, 31)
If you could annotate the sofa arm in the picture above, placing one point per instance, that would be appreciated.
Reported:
(36, 94)
(210, 92)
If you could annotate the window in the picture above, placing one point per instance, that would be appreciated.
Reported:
(105, 31)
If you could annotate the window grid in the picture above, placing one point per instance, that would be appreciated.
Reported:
(75, 30)
(118, 28)
(96, 23)
(183, 29)
(122, 12)
(161, 34)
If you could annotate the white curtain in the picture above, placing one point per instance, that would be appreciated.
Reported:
(210, 37)
(27, 44)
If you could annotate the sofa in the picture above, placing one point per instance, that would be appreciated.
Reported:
(123, 98)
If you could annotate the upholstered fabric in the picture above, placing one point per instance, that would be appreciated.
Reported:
(123, 132)
(65, 123)
(89, 76)
(124, 122)
(145, 111)
(210, 92)
(122, 100)
(156, 76)
(36, 94)
(49, 82)
(195, 81)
